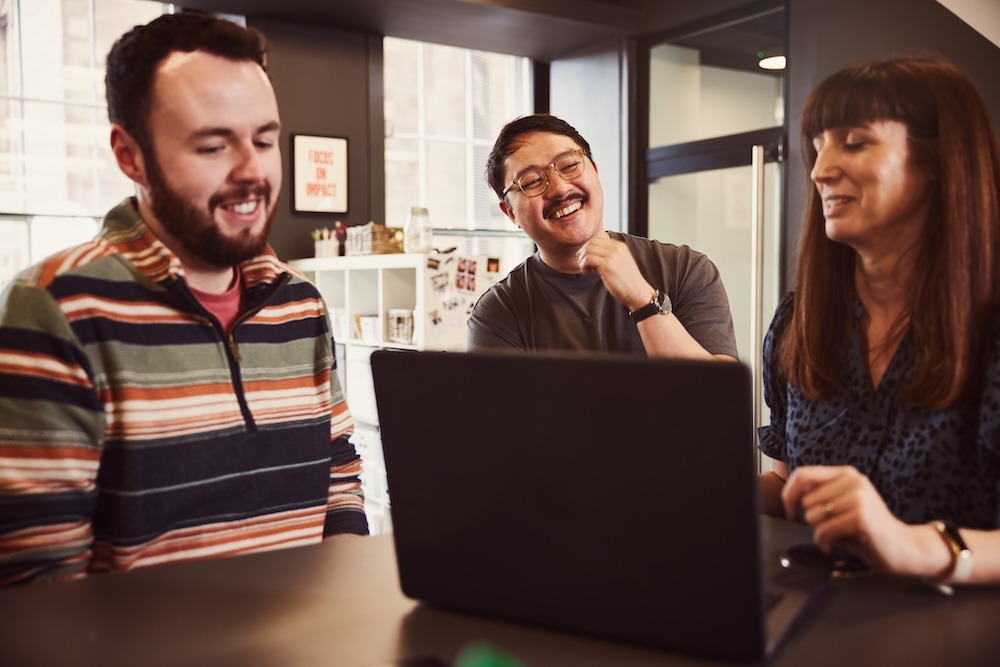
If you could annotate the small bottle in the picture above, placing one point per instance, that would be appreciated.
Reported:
(418, 235)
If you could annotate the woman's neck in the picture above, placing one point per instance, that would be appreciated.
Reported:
(883, 286)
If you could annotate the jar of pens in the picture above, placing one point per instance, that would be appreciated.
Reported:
(330, 243)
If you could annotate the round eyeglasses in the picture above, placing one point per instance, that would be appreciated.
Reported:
(535, 180)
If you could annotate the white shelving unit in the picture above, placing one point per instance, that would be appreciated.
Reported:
(368, 287)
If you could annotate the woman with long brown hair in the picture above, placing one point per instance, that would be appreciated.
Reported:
(882, 368)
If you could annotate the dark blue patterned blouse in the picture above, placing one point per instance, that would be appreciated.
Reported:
(926, 464)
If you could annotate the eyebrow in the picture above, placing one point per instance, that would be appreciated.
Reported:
(224, 132)
(847, 127)
(582, 153)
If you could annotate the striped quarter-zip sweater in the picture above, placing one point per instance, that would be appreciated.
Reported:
(135, 431)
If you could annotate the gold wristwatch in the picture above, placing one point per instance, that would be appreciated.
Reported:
(961, 556)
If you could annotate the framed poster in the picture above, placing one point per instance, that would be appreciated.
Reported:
(319, 174)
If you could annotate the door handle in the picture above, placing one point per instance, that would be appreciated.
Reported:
(757, 280)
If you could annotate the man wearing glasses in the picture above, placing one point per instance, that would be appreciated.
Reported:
(587, 288)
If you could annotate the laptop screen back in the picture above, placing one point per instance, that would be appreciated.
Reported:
(610, 496)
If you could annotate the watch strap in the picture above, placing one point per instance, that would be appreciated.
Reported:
(961, 555)
(659, 304)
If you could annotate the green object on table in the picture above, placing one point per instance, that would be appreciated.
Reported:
(482, 655)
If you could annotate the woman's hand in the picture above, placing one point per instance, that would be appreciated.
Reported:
(845, 511)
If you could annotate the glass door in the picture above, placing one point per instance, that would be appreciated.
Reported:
(713, 172)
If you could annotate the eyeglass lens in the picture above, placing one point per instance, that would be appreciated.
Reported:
(535, 181)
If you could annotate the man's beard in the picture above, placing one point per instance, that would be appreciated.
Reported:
(195, 228)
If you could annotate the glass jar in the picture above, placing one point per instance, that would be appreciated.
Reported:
(417, 234)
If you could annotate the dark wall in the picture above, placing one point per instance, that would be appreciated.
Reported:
(825, 36)
(323, 81)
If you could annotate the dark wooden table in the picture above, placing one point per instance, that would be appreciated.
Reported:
(339, 603)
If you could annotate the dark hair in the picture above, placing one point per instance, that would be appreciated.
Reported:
(134, 59)
(506, 143)
(957, 288)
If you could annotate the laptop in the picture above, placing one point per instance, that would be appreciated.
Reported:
(612, 496)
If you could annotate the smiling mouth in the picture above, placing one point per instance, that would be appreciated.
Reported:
(567, 209)
(832, 202)
(244, 207)
(242, 201)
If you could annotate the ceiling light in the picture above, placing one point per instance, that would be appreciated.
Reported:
(772, 62)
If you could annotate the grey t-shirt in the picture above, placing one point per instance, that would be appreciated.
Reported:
(536, 307)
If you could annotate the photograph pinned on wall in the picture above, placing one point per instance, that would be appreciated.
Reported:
(492, 265)
(439, 281)
(444, 293)
(465, 278)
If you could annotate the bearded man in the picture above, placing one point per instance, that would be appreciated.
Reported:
(167, 390)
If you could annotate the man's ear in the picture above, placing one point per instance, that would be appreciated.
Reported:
(509, 212)
(129, 156)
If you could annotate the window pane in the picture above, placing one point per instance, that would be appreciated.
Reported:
(487, 209)
(102, 186)
(77, 67)
(112, 19)
(444, 88)
(402, 183)
(14, 249)
(54, 156)
(12, 186)
(50, 234)
(401, 62)
(498, 90)
(444, 107)
(67, 41)
(43, 49)
(55, 163)
(447, 180)
(64, 163)
(10, 81)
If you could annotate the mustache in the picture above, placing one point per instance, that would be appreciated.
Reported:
(262, 190)
(561, 203)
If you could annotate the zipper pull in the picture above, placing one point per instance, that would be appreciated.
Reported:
(234, 349)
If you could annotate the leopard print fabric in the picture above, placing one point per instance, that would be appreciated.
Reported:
(926, 464)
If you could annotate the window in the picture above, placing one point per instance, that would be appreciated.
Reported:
(57, 174)
(444, 107)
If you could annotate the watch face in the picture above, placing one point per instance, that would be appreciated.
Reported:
(654, 307)
(659, 300)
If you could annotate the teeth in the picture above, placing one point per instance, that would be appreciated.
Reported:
(572, 208)
(244, 208)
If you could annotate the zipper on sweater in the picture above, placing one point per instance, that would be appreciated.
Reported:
(233, 348)
(233, 355)
(233, 352)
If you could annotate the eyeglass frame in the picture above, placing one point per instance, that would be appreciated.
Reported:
(545, 171)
